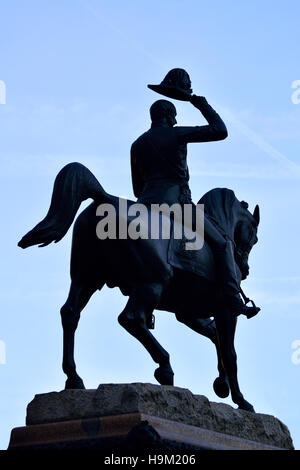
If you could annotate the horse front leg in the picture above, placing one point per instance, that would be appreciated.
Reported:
(226, 326)
(207, 327)
(221, 383)
(135, 319)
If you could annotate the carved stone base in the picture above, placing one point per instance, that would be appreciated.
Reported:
(143, 418)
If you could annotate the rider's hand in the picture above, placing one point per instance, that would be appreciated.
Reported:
(198, 101)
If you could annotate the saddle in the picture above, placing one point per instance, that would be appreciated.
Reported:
(199, 261)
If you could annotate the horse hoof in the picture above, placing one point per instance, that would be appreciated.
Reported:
(74, 383)
(164, 375)
(221, 387)
(246, 406)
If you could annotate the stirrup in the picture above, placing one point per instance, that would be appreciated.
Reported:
(249, 311)
(238, 307)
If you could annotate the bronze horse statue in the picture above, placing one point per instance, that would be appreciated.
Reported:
(142, 271)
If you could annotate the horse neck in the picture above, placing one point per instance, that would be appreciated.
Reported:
(231, 216)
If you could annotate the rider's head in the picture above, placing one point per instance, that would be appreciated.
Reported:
(163, 112)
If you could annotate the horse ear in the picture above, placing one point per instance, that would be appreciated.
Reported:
(256, 214)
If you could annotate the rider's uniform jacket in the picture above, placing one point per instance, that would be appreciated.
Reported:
(159, 167)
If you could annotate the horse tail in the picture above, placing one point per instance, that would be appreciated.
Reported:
(73, 184)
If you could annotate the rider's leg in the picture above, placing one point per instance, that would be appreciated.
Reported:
(227, 270)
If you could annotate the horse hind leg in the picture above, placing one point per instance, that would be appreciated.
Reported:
(135, 319)
(79, 296)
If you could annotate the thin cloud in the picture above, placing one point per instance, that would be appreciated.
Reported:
(262, 144)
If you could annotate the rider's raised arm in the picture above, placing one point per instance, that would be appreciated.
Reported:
(215, 130)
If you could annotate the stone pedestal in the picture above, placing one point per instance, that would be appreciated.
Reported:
(143, 418)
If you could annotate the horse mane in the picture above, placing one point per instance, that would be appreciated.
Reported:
(219, 206)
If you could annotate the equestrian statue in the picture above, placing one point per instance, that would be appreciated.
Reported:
(201, 287)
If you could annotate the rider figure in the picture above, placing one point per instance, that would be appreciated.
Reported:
(160, 175)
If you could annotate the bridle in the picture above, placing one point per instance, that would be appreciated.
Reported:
(243, 253)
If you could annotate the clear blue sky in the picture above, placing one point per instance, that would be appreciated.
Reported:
(76, 75)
